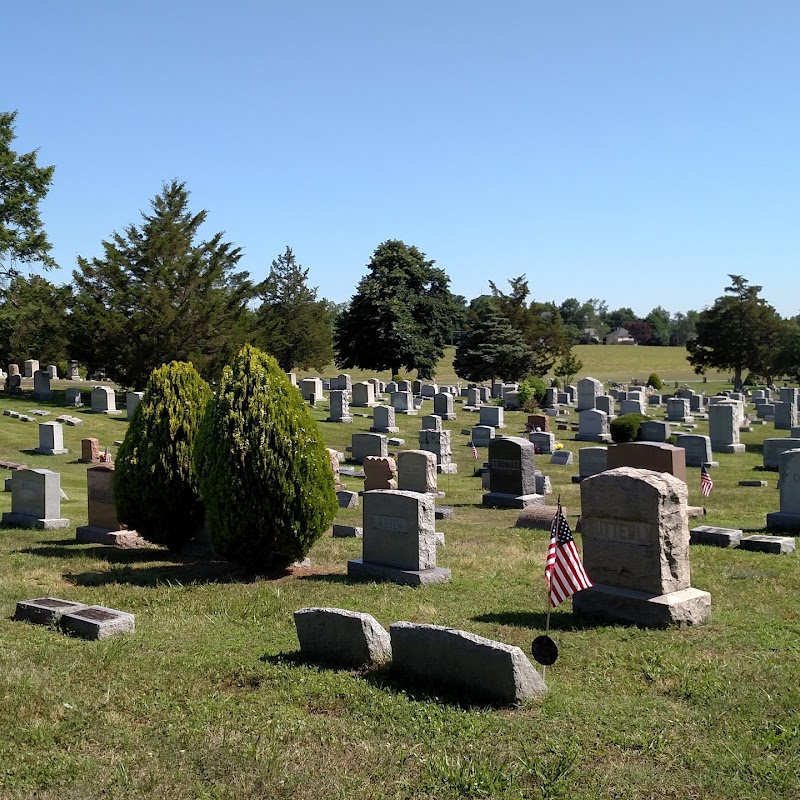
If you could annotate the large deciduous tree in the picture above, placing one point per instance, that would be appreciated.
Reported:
(160, 294)
(741, 331)
(400, 315)
(23, 185)
(292, 323)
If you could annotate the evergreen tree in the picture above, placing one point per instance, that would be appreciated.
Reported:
(292, 323)
(400, 315)
(155, 487)
(23, 185)
(740, 331)
(265, 475)
(491, 348)
(159, 295)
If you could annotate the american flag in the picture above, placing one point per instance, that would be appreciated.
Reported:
(474, 450)
(563, 569)
(706, 484)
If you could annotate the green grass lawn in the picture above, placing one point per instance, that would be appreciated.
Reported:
(209, 700)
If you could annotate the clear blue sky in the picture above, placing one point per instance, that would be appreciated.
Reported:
(635, 151)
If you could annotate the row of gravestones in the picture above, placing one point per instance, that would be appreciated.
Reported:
(31, 367)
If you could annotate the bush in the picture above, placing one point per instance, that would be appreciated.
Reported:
(654, 381)
(555, 383)
(264, 471)
(155, 487)
(531, 394)
(625, 428)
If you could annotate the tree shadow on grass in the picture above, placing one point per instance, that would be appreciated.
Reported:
(537, 620)
(328, 577)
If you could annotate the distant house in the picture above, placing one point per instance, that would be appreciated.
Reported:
(590, 336)
(619, 336)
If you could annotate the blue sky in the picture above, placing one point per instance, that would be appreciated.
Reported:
(635, 152)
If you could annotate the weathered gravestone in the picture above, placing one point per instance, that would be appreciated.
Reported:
(562, 458)
(383, 420)
(443, 406)
(786, 413)
(605, 403)
(633, 405)
(13, 369)
(132, 400)
(678, 410)
(593, 426)
(538, 518)
(73, 398)
(773, 449)
(431, 422)
(697, 449)
(788, 518)
(544, 443)
(103, 526)
(73, 373)
(368, 444)
(715, 537)
(30, 366)
(363, 395)
(340, 407)
(591, 460)
(35, 500)
(41, 385)
(379, 473)
(723, 427)
(492, 416)
(538, 422)
(634, 526)
(473, 397)
(52, 372)
(97, 622)
(51, 439)
(653, 430)
(403, 402)
(482, 435)
(345, 638)
(311, 387)
(399, 542)
(90, 451)
(14, 384)
(104, 401)
(44, 610)
(589, 389)
(439, 443)
(656, 456)
(416, 472)
(464, 662)
(512, 479)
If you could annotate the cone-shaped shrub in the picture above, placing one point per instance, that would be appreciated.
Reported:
(264, 472)
(625, 427)
(155, 488)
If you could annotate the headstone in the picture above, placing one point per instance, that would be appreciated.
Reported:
(773, 448)
(345, 638)
(482, 435)
(132, 400)
(605, 403)
(368, 444)
(777, 545)
(788, 517)
(592, 460)
(90, 451)
(363, 395)
(715, 537)
(380, 472)
(512, 401)
(473, 397)
(13, 369)
(632, 406)
(538, 422)
(654, 400)
(97, 622)
(544, 443)
(346, 498)
(383, 420)
(678, 410)
(443, 406)
(653, 430)
(51, 439)
(52, 372)
(72, 371)
(44, 610)
(404, 386)
(562, 458)
(399, 542)
(309, 387)
(333, 456)
(634, 525)
(538, 518)
(465, 663)
(104, 401)
(655, 456)
(786, 414)
(491, 415)
(403, 402)
(35, 500)
(14, 384)
(41, 385)
(102, 526)
(391, 387)
(345, 383)
(697, 449)
(589, 389)
(31, 366)
(439, 443)
(340, 531)
(429, 390)
(416, 471)
(72, 397)
(340, 407)
(723, 427)
(512, 480)
(432, 422)
(764, 410)
(593, 426)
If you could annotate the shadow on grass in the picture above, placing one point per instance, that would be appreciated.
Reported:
(329, 577)
(389, 681)
(535, 620)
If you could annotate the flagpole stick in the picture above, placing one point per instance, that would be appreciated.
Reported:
(546, 630)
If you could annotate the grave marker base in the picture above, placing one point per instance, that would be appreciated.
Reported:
(97, 622)
(50, 451)
(727, 448)
(685, 607)
(716, 537)
(16, 520)
(778, 545)
(94, 534)
(501, 500)
(782, 521)
(44, 610)
(358, 568)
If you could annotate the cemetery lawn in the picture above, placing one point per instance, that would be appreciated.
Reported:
(208, 698)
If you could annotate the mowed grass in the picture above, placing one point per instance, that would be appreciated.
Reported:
(208, 699)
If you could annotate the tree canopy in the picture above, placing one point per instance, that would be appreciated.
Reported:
(23, 185)
(292, 323)
(400, 315)
(159, 295)
(741, 331)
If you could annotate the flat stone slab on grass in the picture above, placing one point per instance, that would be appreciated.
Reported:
(347, 532)
(370, 570)
(394, 441)
(97, 622)
(93, 534)
(44, 610)
(15, 520)
(538, 518)
(716, 537)
(464, 662)
(753, 483)
(778, 545)
(444, 512)
(341, 637)
(66, 419)
(347, 499)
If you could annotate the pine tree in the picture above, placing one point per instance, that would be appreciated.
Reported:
(292, 323)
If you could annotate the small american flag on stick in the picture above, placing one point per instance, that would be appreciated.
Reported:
(474, 450)
(706, 484)
(563, 569)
